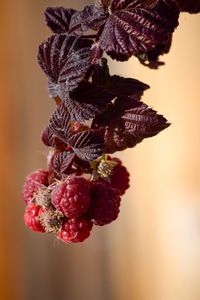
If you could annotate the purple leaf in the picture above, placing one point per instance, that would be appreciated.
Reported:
(92, 93)
(96, 53)
(101, 74)
(117, 85)
(141, 120)
(78, 111)
(82, 165)
(121, 86)
(60, 124)
(48, 137)
(151, 58)
(116, 5)
(88, 144)
(191, 6)
(50, 140)
(167, 12)
(91, 17)
(136, 27)
(61, 162)
(65, 60)
(54, 89)
(87, 100)
(127, 123)
(58, 18)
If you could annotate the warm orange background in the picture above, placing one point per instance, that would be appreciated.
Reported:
(152, 252)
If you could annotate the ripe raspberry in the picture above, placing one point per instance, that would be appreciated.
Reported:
(72, 196)
(75, 230)
(31, 217)
(120, 179)
(105, 203)
(32, 184)
(115, 159)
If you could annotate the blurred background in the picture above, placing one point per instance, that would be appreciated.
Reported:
(152, 252)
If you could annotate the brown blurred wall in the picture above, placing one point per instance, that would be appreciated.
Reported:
(152, 252)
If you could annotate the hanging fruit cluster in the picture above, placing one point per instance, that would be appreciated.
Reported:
(97, 113)
(70, 206)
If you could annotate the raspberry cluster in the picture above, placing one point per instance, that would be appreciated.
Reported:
(69, 207)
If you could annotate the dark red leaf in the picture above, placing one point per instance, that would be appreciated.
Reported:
(65, 60)
(101, 74)
(151, 58)
(91, 17)
(127, 123)
(50, 140)
(167, 12)
(58, 18)
(54, 89)
(191, 6)
(136, 27)
(61, 162)
(88, 144)
(117, 85)
(141, 120)
(116, 5)
(82, 166)
(60, 124)
(48, 137)
(96, 53)
(121, 86)
(87, 100)
(78, 111)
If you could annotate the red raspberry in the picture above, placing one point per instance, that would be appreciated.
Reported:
(31, 217)
(105, 203)
(115, 159)
(75, 230)
(72, 196)
(120, 179)
(32, 184)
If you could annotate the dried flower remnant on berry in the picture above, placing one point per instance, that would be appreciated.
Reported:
(51, 220)
(97, 113)
(105, 168)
